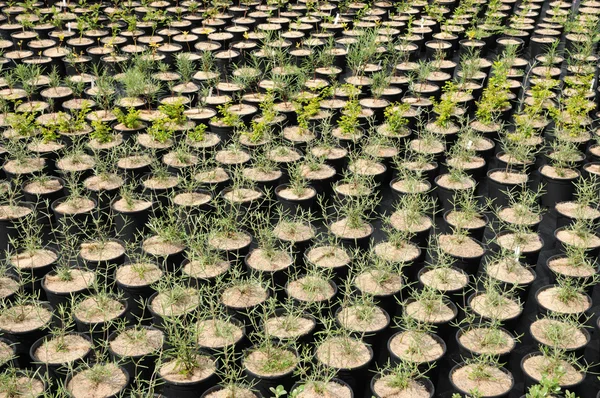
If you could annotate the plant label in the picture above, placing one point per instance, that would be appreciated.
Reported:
(592, 84)
(69, 27)
(337, 19)
(469, 144)
(517, 252)
(210, 92)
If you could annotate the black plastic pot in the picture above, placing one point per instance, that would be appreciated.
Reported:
(529, 381)
(195, 389)
(264, 384)
(34, 275)
(73, 224)
(469, 264)
(130, 224)
(593, 251)
(63, 298)
(578, 352)
(579, 280)
(444, 329)
(306, 338)
(9, 229)
(445, 195)
(11, 362)
(297, 386)
(498, 190)
(99, 331)
(276, 279)
(457, 296)
(236, 346)
(328, 306)
(357, 243)
(398, 193)
(57, 371)
(339, 273)
(171, 261)
(528, 257)
(134, 295)
(557, 189)
(475, 233)
(295, 205)
(374, 338)
(522, 288)
(140, 366)
(23, 340)
(41, 198)
(161, 195)
(356, 377)
(104, 268)
(563, 220)
(431, 369)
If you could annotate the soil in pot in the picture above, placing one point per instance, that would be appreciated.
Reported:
(312, 289)
(451, 281)
(272, 264)
(368, 322)
(85, 384)
(536, 366)
(290, 327)
(352, 235)
(467, 251)
(493, 305)
(496, 383)
(559, 300)
(559, 334)
(482, 340)
(510, 272)
(169, 253)
(23, 384)
(214, 335)
(387, 386)
(241, 298)
(7, 354)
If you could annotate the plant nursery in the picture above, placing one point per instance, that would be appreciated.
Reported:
(299, 199)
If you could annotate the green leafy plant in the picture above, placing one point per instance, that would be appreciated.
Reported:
(131, 119)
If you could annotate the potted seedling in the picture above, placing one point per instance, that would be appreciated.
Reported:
(400, 378)
(483, 376)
